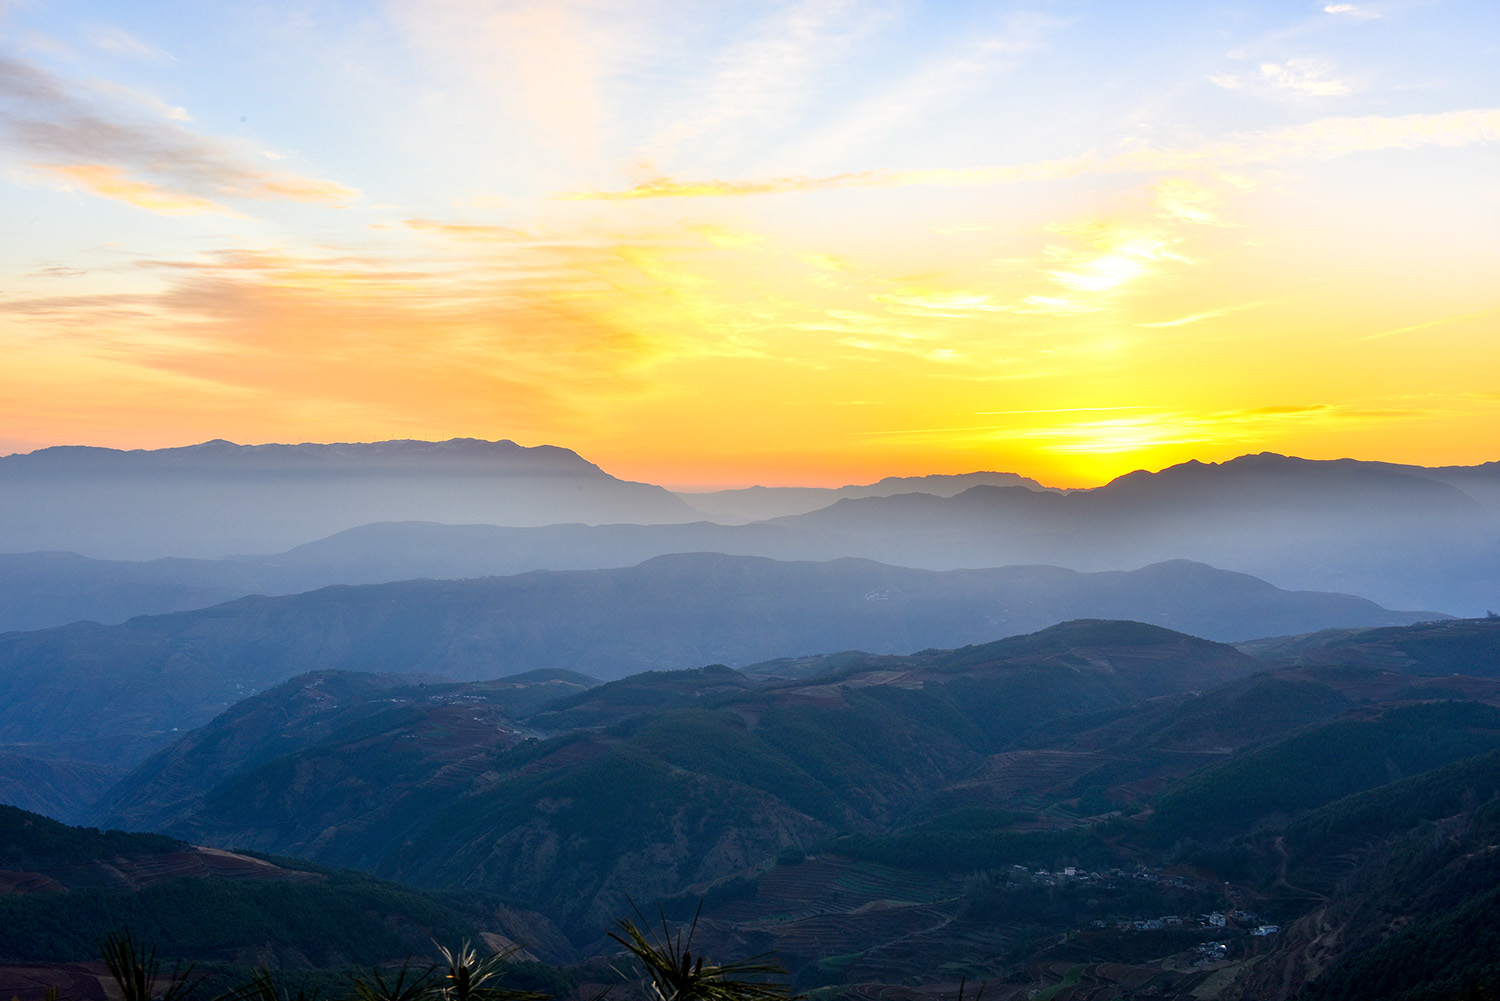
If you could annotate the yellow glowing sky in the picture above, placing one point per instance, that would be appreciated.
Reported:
(770, 242)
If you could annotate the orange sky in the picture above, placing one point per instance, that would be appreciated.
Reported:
(817, 242)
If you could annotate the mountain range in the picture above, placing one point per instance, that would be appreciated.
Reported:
(1405, 537)
(110, 694)
(219, 498)
(1165, 737)
(1095, 809)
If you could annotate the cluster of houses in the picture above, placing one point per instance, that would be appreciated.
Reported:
(1233, 920)
(1071, 874)
(1227, 920)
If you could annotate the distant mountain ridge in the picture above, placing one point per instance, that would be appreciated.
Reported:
(1400, 538)
(477, 453)
(218, 497)
(1405, 537)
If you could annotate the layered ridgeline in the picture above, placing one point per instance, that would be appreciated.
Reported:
(1407, 537)
(905, 820)
(110, 694)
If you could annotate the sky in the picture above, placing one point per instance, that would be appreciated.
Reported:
(720, 243)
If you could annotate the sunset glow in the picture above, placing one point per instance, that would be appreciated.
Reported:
(720, 244)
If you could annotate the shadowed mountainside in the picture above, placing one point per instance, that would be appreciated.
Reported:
(709, 776)
(138, 681)
(1055, 812)
(918, 784)
(62, 889)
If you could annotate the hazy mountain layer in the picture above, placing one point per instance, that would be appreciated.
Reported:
(762, 503)
(56, 787)
(1403, 536)
(1402, 539)
(140, 680)
(219, 498)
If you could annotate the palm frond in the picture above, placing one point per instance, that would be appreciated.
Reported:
(263, 987)
(408, 985)
(137, 971)
(467, 977)
(675, 974)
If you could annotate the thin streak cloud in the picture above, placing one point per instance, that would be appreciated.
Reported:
(1323, 139)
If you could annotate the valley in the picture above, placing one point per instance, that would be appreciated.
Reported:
(1100, 806)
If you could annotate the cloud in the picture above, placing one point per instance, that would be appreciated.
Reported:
(1323, 139)
(466, 231)
(1210, 314)
(666, 187)
(951, 303)
(1349, 10)
(1183, 200)
(1440, 322)
(1182, 321)
(542, 67)
(766, 75)
(94, 139)
(122, 42)
(521, 333)
(109, 182)
(1295, 78)
(935, 86)
(1108, 257)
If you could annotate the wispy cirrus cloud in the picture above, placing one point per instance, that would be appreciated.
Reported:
(97, 140)
(1428, 325)
(939, 83)
(1296, 78)
(112, 38)
(1208, 314)
(766, 75)
(1322, 139)
(467, 231)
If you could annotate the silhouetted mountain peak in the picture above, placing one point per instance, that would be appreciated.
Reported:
(221, 455)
